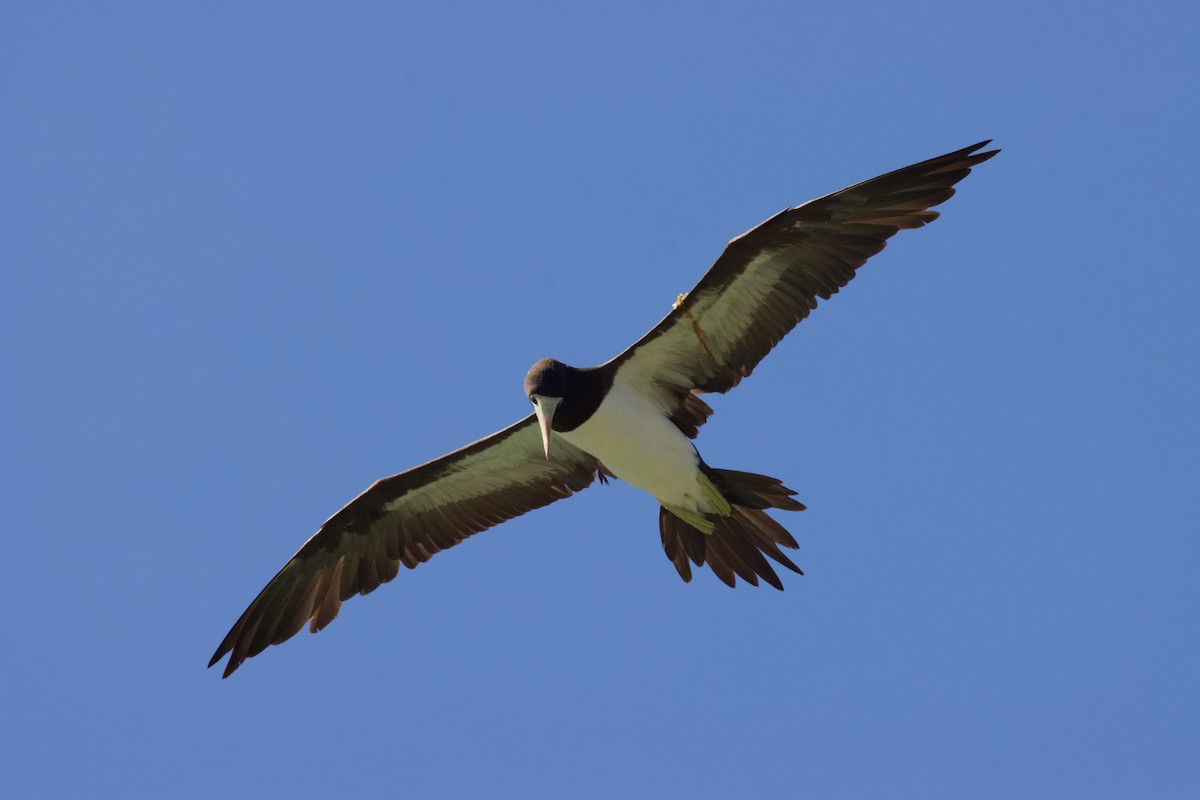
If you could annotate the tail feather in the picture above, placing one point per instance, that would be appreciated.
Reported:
(738, 542)
(753, 491)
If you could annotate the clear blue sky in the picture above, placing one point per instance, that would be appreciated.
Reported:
(256, 255)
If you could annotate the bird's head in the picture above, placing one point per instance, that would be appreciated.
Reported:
(545, 386)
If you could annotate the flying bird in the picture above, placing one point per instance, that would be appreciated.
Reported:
(632, 418)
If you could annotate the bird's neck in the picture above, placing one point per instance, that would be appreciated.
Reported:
(585, 390)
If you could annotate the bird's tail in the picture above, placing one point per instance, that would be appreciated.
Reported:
(738, 541)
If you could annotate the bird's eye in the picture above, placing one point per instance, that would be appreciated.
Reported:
(531, 400)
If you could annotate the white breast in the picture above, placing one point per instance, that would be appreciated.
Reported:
(638, 444)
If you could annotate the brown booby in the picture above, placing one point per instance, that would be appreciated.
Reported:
(632, 418)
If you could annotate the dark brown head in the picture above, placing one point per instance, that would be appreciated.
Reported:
(547, 378)
(545, 386)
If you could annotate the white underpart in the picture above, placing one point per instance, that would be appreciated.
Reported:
(635, 441)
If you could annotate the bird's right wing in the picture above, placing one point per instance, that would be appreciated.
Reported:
(405, 519)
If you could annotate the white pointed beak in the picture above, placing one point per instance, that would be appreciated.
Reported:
(544, 408)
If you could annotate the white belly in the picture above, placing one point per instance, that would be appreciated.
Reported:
(639, 445)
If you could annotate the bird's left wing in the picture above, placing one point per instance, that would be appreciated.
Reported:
(770, 278)
(405, 519)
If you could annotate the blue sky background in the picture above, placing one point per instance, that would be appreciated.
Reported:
(256, 255)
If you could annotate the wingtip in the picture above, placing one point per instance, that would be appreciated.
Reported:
(977, 157)
(224, 648)
(229, 667)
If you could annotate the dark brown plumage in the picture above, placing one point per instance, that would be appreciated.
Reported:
(769, 278)
(763, 284)
(738, 542)
(406, 519)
